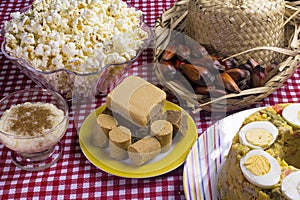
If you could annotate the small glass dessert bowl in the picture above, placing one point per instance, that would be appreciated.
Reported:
(32, 122)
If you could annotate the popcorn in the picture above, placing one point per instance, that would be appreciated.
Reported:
(78, 35)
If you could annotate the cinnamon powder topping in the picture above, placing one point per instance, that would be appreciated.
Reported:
(31, 119)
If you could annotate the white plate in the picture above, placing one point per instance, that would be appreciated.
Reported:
(207, 156)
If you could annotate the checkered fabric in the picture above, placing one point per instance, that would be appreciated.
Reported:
(73, 176)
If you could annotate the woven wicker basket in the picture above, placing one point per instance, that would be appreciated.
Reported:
(176, 18)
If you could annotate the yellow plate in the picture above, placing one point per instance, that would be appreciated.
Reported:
(161, 164)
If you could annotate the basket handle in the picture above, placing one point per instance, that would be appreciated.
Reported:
(276, 49)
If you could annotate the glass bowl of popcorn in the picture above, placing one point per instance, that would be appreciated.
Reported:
(32, 122)
(75, 48)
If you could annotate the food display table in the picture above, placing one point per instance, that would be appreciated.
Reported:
(73, 176)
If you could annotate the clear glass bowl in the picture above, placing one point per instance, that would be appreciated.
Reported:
(33, 153)
(74, 85)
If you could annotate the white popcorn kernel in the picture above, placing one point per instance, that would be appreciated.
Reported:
(12, 28)
(131, 53)
(55, 50)
(36, 62)
(10, 38)
(69, 49)
(121, 59)
(87, 30)
(111, 58)
(56, 18)
(47, 50)
(16, 15)
(39, 50)
(49, 19)
(28, 38)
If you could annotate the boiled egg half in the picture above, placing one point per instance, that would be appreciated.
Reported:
(290, 186)
(260, 168)
(258, 134)
(291, 114)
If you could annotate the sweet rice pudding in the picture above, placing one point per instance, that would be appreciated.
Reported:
(32, 127)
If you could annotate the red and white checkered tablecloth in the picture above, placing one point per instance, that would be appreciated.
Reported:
(73, 176)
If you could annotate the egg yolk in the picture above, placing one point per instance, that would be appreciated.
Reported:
(259, 137)
(299, 115)
(257, 165)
